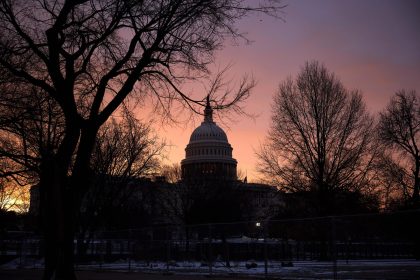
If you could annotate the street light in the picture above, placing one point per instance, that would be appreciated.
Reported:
(258, 225)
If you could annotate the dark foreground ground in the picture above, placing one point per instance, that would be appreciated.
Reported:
(93, 275)
(395, 272)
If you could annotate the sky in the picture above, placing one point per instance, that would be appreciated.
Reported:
(371, 45)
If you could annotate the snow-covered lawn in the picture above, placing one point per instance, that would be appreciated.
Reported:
(354, 269)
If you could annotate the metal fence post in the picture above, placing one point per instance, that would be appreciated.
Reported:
(101, 259)
(333, 248)
(265, 250)
(20, 250)
(168, 249)
(210, 253)
(129, 250)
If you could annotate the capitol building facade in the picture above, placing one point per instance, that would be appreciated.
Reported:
(208, 154)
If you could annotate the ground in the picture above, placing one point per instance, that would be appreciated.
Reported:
(395, 270)
(96, 275)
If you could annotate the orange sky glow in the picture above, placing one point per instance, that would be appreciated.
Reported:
(372, 46)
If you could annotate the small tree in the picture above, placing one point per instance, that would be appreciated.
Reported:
(393, 178)
(12, 196)
(125, 151)
(171, 173)
(31, 126)
(320, 137)
(399, 130)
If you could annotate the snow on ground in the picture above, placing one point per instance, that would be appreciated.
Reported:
(354, 269)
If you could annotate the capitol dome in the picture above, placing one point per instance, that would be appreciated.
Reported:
(208, 131)
(208, 155)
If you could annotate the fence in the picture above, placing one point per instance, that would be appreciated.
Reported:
(286, 247)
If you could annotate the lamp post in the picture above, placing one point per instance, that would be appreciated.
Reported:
(264, 226)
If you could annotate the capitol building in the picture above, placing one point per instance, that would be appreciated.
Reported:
(208, 155)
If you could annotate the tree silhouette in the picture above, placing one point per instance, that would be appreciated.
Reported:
(89, 56)
(171, 173)
(125, 151)
(320, 137)
(394, 179)
(31, 127)
(399, 130)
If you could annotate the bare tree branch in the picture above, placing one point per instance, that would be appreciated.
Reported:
(399, 130)
(320, 137)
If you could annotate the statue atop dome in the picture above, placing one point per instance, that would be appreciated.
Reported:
(208, 111)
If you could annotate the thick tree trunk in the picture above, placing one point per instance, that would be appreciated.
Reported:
(324, 203)
(48, 221)
(81, 175)
(62, 195)
(77, 188)
(325, 209)
(56, 209)
(58, 225)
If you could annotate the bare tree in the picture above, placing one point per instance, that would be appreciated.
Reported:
(31, 127)
(320, 136)
(399, 130)
(127, 148)
(12, 196)
(172, 173)
(393, 179)
(126, 151)
(89, 56)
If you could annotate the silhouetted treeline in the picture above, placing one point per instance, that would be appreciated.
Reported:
(323, 144)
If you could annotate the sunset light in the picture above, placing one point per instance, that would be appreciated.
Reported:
(230, 139)
(372, 46)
